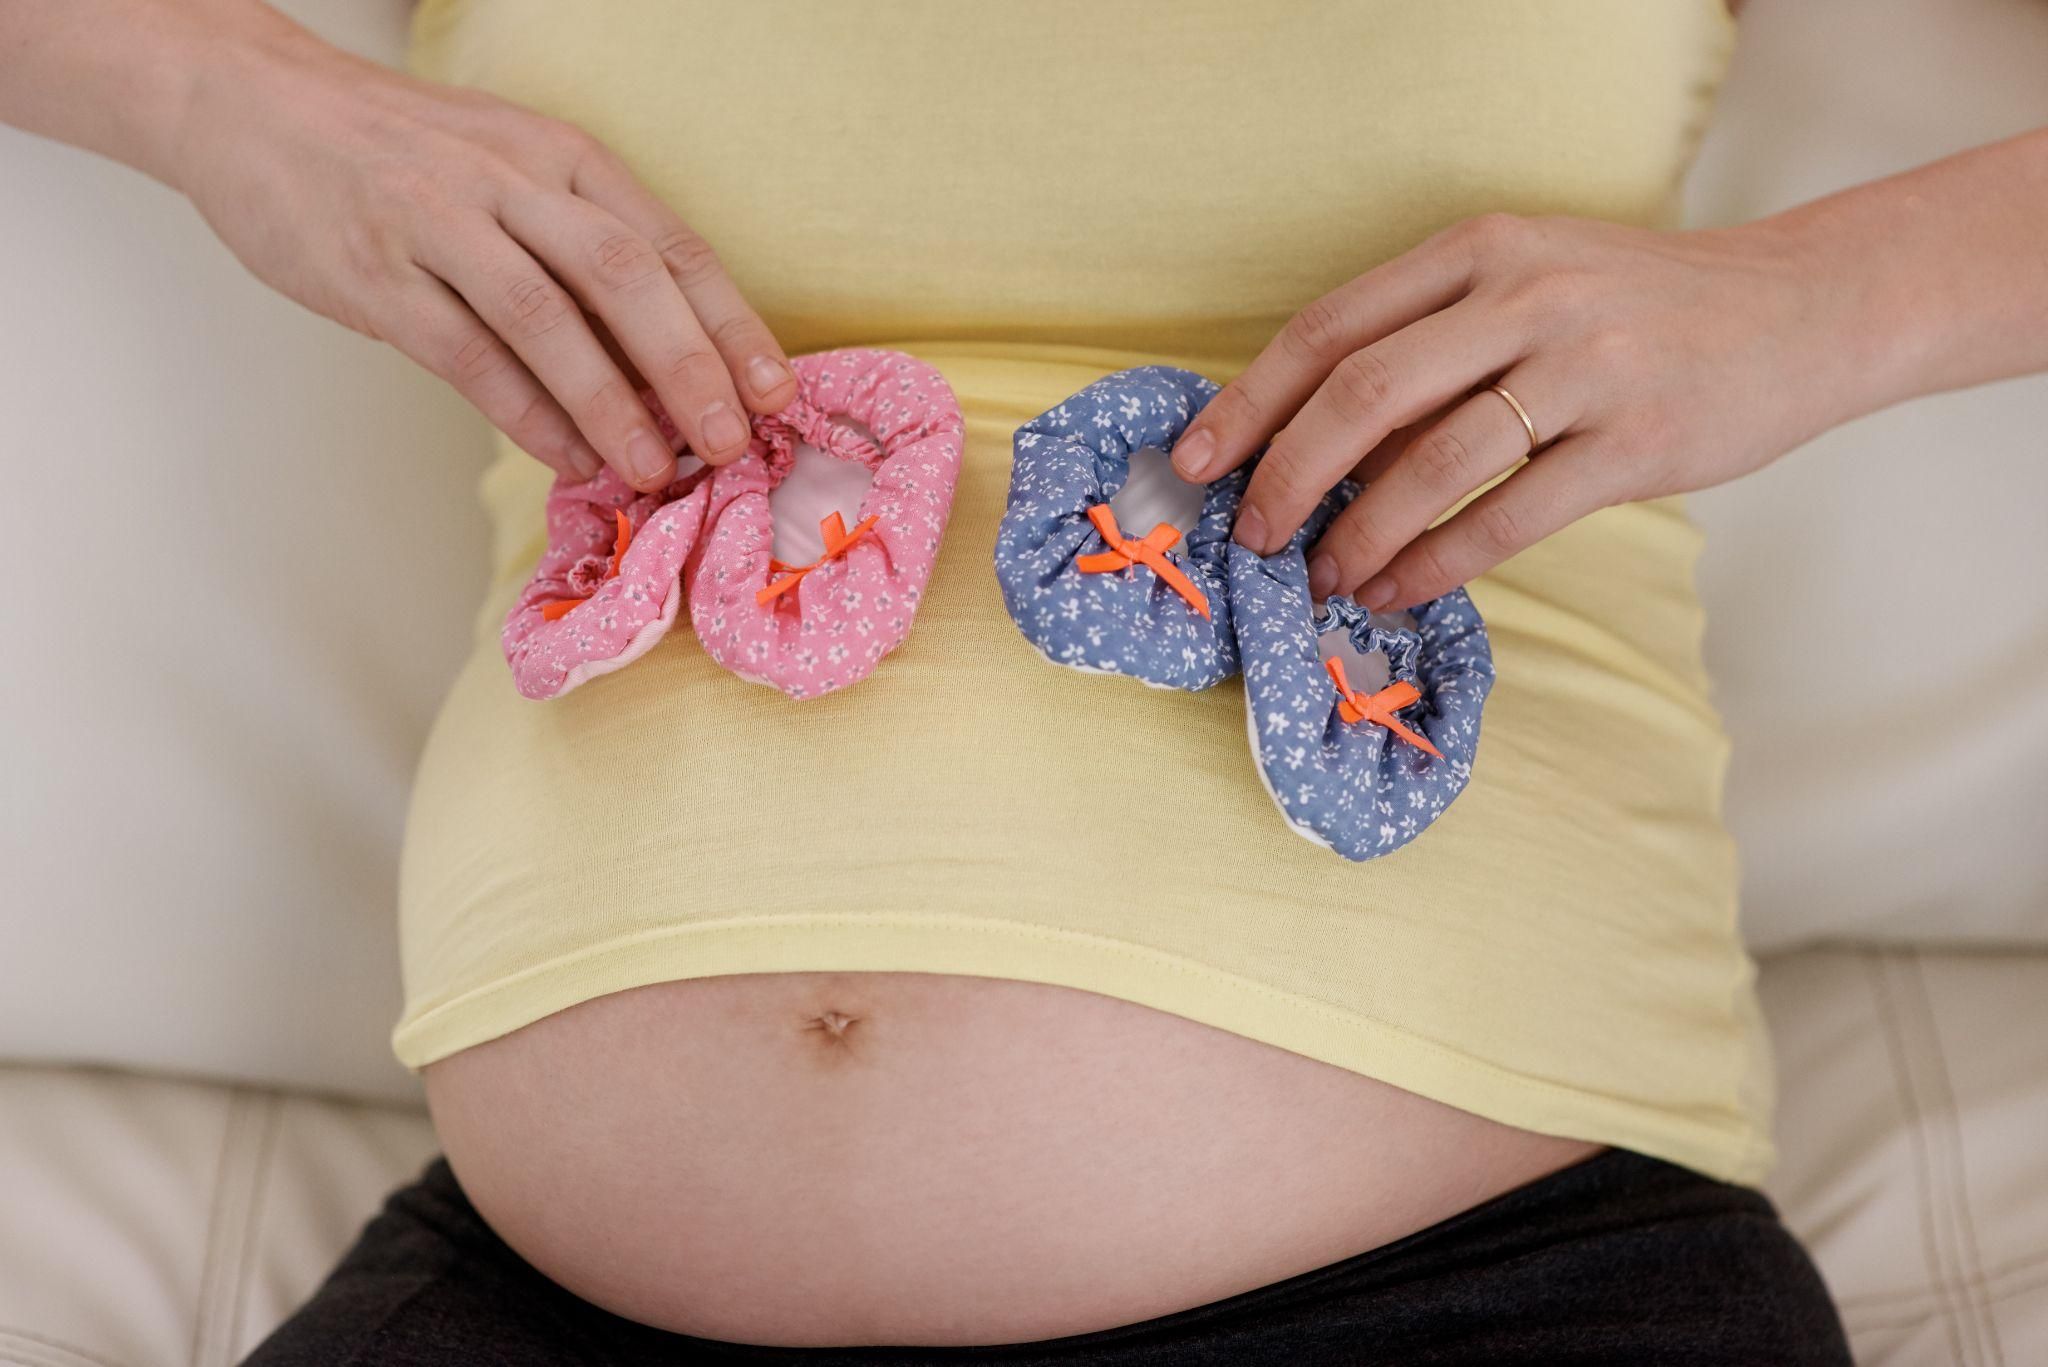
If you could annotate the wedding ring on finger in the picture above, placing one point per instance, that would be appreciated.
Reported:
(1528, 424)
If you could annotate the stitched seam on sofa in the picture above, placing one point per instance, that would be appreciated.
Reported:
(1875, 965)
(32, 1354)
(245, 1264)
(1991, 1297)
(1952, 1144)
(2024, 1275)
(8, 1358)
(213, 1220)
(211, 1340)
(1993, 1275)
(1736, 1130)
(55, 1352)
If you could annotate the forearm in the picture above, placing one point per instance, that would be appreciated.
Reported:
(114, 76)
(1938, 276)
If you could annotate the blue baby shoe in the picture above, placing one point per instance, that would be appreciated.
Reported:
(1085, 591)
(1361, 750)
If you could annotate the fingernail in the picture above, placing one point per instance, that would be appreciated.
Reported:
(765, 373)
(647, 457)
(1251, 530)
(1378, 592)
(722, 428)
(1322, 576)
(1194, 454)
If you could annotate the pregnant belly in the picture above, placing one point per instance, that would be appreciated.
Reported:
(813, 1159)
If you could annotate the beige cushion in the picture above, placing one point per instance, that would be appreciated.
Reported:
(152, 1221)
(1877, 623)
(245, 553)
(1914, 1101)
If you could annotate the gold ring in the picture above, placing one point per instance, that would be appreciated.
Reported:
(1521, 413)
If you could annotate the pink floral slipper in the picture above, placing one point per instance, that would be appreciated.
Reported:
(809, 629)
(610, 582)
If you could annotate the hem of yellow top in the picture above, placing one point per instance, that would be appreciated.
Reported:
(974, 946)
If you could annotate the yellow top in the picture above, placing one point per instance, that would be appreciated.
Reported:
(1030, 195)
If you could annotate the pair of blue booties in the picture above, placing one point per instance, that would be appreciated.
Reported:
(1363, 725)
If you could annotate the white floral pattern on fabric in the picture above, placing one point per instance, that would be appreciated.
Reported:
(622, 616)
(707, 538)
(834, 626)
(1353, 787)
(1077, 455)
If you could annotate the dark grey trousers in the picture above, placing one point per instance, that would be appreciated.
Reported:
(1620, 1259)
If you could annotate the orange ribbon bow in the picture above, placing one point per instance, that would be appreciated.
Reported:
(837, 539)
(1124, 552)
(1380, 707)
(561, 607)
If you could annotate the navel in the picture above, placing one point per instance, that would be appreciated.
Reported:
(835, 1028)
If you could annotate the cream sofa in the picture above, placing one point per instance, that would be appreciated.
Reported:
(197, 1109)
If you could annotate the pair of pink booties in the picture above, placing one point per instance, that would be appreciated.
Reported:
(619, 563)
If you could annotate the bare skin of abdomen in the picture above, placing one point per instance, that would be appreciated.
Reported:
(813, 1159)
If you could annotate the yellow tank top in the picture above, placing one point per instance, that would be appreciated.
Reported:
(1029, 195)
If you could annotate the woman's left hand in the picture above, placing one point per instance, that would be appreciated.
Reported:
(1651, 362)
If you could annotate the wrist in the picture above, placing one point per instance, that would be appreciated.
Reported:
(1931, 279)
(1853, 314)
(212, 80)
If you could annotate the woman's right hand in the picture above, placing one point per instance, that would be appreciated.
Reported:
(510, 254)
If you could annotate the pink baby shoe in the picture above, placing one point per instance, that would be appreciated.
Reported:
(610, 582)
(812, 628)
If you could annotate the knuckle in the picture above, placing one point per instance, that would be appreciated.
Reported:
(697, 370)
(1445, 462)
(483, 101)
(381, 325)
(499, 179)
(1497, 529)
(609, 406)
(689, 257)
(740, 335)
(1610, 348)
(568, 141)
(622, 260)
(366, 248)
(1495, 233)
(1289, 484)
(1317, 331)
(477, 357)
(405, 182)
(1233, 409)
(530, 423)
(438, 220)
(1541, 296)
(536, 305)
(1360, 387)
(559, 449)
(1426, 570)
(1358, 542)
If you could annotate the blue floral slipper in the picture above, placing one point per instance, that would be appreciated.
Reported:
(1363, 725)
(1087, 592)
